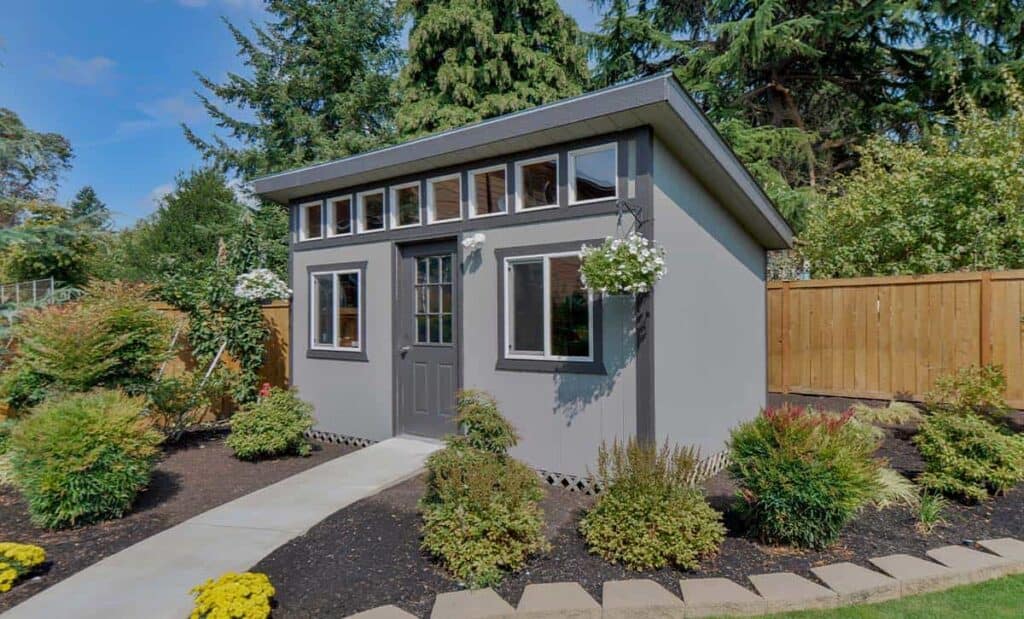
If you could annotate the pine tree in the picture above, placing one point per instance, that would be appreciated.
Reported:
(474, 59)
(87, 208)
(319, 86)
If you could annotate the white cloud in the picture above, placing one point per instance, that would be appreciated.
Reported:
(243, 192)
(156, 196)
(83, 71)
(166, 112)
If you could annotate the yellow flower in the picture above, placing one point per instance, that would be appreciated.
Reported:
(16, 560)
(233, 596)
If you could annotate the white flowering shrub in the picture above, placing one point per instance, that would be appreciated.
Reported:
(260, 284)
(623, 266)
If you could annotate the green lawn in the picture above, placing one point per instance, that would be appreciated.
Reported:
(992, 600)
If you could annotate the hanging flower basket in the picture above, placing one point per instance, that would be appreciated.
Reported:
(629, 265)
(261, 285)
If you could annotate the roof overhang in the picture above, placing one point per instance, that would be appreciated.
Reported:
(657, 101)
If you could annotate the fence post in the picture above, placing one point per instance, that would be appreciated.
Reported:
(784, 308)
(985, 330)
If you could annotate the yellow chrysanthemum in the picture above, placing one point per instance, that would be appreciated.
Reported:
(233, 596)
(16, 560)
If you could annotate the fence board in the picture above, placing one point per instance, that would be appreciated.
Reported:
(891, 337)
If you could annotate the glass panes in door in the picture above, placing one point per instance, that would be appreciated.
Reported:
(433, 294)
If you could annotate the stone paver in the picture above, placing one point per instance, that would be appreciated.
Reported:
(639, 599)
(383, 612)
(976, 564)
(478, 604)
(785, 591)
(719, 597)
(918, 575)
(557, 600)
(1006, 547)
(856, 584)
(157, 573)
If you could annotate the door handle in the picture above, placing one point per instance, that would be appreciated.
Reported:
(403, 350)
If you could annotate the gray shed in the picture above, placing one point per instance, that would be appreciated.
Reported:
(451, 261)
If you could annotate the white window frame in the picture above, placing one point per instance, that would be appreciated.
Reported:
(547, 356)
(304, 220)
(393, 190)
(519, 183)
(361, 210)
(612, 146)
(432, 207)
(332, 216)
(472, 191)
(334, 309)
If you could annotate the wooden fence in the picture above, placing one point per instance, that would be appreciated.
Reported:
(275, 368)
(891, 337)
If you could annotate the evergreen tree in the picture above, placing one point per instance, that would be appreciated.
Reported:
(319, 87)
(185, 231)
(87, 209)
(474, 59)
(30, 166)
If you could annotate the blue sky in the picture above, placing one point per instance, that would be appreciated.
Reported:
(116, 77)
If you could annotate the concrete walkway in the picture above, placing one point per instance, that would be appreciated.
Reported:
(152, 578)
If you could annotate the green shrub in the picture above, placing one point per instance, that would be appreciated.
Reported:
(895, 414)
(6, 429)
(111, 338)
(480, 513)
(974, 388)
(180, 402)
(274, 425)
(802, 475)
(649, 514)
(84, 458)
(482, 423)
(968, 457)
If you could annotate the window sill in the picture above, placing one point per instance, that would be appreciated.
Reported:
(547, 366)
(337, 355)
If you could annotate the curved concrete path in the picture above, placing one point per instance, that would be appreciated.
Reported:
(152, 578)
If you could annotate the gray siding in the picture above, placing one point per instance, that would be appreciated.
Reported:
(352, 398)
(710, 334)
(562, 418)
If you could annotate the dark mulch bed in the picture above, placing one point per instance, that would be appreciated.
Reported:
(196, 475)
(368, 554)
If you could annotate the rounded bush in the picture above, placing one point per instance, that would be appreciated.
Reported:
(84, 458)
(802, 475)
(649, 514)
(233, 596)
(274, 425)
(480, 513)
(482, 423)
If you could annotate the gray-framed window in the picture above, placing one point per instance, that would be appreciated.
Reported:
(593, 173)
(548, 321)
(339, 216)
(488, 194)
(311, 220)
(537, 183)
(434, 312)
(370, 208)
(337, 316)
(444, 198)
(405, 205)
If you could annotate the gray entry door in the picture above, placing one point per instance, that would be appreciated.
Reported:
(427, 338)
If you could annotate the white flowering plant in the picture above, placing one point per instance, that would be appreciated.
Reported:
(261, 284)
(622, 266)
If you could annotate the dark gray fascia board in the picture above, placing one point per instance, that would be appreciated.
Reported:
(515, 128)
(659, 101)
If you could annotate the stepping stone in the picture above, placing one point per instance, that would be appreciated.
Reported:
(639, 599)
(478, 604)
(383, 612)
(977, 565)
(918, 575)
(856, 584)
(719, 597)
(557, 599)
(1005, 547)
(786, 591)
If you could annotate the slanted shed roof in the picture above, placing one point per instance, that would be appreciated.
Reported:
(658, 101)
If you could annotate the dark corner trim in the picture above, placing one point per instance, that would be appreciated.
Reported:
(545, 366)
(338, 355)
(644, 313)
